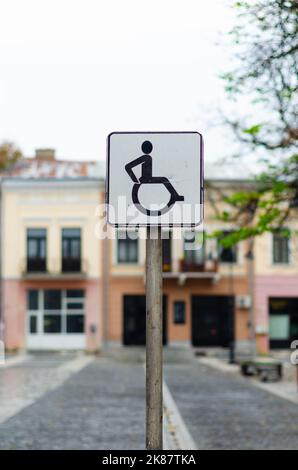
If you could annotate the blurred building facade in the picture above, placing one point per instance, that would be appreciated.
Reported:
(63, 287)
(51, 270)
(206, 300)
(276, 288)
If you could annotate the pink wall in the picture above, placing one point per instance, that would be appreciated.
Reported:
(94, 314)
(14, 305)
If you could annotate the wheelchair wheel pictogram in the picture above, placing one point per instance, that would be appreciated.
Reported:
(147, 178)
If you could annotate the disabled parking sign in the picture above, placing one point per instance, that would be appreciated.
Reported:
(154, 178)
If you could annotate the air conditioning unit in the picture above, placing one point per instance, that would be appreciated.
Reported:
(243, 301)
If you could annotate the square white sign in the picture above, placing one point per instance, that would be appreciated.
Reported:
(154, 178)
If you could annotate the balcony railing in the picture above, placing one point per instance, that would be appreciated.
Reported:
(207, 265)
(36, 265)
(54, 267)
(71, 265)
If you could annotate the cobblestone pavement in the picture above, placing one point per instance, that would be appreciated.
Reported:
(224, 411)
(102, 405)
(25, 382)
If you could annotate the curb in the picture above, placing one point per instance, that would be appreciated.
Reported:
(176, 434)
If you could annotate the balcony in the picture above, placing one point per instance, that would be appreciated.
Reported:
(36, 265)
(206, 266)
(65, 268)
(71, 265)
(207, 269)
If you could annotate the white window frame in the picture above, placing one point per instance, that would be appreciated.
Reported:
(136, 263)
(271, 257)
(64, 311)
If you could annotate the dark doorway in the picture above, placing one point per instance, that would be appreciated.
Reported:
(212, 320)
(283, 321)
(134, 320)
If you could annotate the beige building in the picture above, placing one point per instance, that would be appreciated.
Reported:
(51, 259)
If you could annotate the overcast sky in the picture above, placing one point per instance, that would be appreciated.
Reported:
(71, 71)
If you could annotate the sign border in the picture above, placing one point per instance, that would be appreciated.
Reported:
(201, 183)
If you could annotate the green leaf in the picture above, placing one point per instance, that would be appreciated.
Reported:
(253, 130)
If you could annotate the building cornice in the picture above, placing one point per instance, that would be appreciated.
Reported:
(52, 183)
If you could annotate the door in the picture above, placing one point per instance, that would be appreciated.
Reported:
(212, 320)
(56, 319)
(134, 320)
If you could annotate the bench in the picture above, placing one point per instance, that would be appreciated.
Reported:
(265, 369)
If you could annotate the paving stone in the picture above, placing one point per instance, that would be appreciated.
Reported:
(223, 411)
(101, 407)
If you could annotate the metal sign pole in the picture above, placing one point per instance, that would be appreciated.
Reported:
(154, 402)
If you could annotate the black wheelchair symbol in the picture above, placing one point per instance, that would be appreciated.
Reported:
(145, 161)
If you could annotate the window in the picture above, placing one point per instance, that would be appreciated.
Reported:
(179, 312)
(32, 300)
(36, 250)
(74, 323)
(52, 323)
(33, 324)
(127, 247)
(283, 321)
(52, 299)
(74, 293)
(280, 248)
(32, 306)
(227, 254)
(74, 305)
(279, 327)
(194, 248)
(71, 250)
(56, 311)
